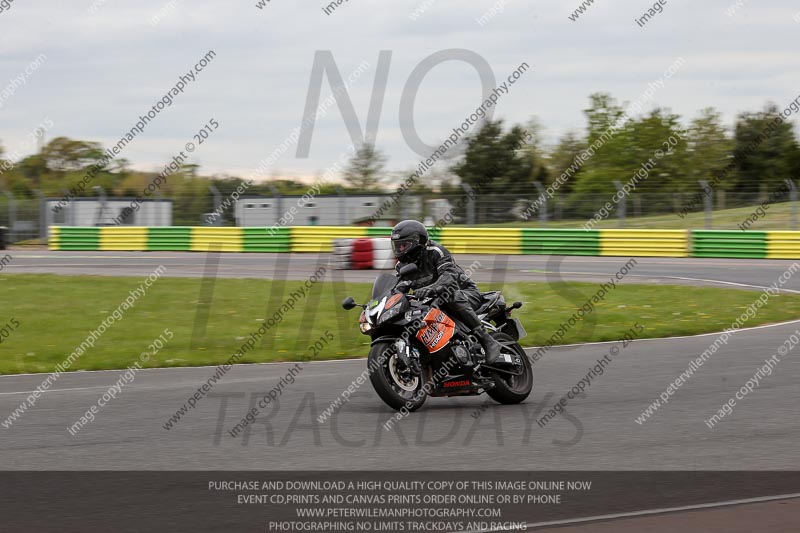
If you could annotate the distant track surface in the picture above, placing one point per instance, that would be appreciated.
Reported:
(689, 271)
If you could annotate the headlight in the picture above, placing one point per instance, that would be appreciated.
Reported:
(365, 327)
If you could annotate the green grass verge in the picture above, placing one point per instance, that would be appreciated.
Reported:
(778, 217)
(56, 313)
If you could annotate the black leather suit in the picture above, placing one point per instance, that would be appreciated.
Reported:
(456, 291)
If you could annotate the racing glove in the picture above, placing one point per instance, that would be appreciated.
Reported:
(404, 286)
(425, 292)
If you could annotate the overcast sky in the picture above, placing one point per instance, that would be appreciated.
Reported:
(104, 69)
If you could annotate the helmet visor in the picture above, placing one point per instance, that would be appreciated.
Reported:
(402, 246)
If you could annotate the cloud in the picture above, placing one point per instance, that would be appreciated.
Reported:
(107, 68)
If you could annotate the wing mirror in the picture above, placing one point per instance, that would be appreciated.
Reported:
(410, 268)
(348, 303)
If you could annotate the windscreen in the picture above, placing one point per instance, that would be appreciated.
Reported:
(383, 283)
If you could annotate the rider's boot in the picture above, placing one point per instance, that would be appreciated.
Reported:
(490, 345)
(470, 319)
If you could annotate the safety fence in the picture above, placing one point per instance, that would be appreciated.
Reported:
(459, 240)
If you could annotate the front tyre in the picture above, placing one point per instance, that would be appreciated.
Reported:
(511, 389)
(395, 385)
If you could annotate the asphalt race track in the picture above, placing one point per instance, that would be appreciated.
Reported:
(598, 432)
(687, 271)
(601, 432)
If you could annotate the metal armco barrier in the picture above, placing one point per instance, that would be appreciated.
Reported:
(459, 240)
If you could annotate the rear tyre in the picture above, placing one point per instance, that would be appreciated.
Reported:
(512, 389)
(395, 386)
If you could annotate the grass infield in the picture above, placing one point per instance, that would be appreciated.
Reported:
(777, 216)
(46, 317)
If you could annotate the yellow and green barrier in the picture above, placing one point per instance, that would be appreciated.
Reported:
(217, 239)
(172, 238)
(729, 243)
(560, 241)
(783, 244)
(273, 240)
(177, 238)
(124, 238)
(459, 240)
(319, 238)
(69, 238)
(605, 242)
(644, 242)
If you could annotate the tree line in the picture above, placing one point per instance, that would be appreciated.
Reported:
(583, 164)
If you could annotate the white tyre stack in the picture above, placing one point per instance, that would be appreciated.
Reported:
(382, 255)
(342, 251)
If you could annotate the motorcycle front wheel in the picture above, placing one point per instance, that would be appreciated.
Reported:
(395, 385)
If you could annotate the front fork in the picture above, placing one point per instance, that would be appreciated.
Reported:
(408, 356)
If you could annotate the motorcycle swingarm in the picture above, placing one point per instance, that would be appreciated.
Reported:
(514, 363)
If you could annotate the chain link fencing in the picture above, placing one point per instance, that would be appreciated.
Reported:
(26, 219)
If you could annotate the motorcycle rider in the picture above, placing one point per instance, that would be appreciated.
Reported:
(439, 276)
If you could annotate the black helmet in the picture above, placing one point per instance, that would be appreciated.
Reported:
(408, 239)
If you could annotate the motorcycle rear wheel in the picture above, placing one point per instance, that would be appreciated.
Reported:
(510, 389)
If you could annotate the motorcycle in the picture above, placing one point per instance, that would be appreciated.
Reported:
(418, 351)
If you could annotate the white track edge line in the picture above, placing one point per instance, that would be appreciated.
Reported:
(54, 390)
